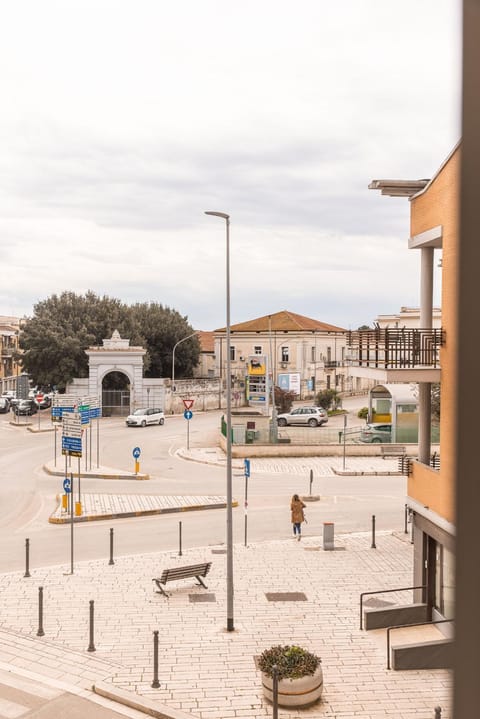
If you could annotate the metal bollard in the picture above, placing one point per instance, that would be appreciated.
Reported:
(27, 558)
(111, 547)
(275, 691)
(328, 535)
(406, 520)
(155, 683)
(91, 645)
(438, 713)
(311, 482)
(179, 539)
(40, 632)
(374, 546)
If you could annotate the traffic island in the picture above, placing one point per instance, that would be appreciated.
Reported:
(114, 506)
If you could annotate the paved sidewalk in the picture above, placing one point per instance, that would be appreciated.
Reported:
(323, 466)
(205, 671)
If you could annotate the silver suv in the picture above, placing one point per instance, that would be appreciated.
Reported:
(308, 416)
(376, 433)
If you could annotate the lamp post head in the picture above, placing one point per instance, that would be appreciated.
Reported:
(219, 214)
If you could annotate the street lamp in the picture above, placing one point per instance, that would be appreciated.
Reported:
(230, 626)
(173, 361)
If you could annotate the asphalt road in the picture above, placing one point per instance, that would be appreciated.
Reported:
(28, 495)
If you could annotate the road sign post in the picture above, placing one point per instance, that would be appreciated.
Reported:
(136, 454)
(188, 414)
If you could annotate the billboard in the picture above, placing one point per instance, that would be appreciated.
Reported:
(290, 382)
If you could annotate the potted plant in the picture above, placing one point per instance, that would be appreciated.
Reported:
(299, 672)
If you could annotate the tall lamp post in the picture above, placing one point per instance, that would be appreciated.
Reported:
(230, 626)
(173, 360)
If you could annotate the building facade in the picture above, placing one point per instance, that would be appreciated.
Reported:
(427, 354)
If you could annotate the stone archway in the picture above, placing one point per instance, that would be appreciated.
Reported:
(124, 365)
(116, 400)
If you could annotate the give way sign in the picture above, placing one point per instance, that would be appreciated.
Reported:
(188, 403)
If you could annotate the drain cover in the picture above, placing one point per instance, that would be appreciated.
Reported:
(202, 598)
(286, 596)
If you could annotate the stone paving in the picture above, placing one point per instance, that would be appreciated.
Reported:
(110, 506)
(322, 466)
(203, 669)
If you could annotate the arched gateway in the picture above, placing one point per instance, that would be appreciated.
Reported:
(115, 375)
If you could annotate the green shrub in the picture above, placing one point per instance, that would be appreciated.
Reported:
(363, 413)
(292, 662)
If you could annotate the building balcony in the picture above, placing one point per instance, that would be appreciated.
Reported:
(396, 355)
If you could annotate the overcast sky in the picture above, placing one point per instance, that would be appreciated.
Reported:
(122, 121)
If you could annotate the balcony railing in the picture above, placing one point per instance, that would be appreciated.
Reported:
(395, 348)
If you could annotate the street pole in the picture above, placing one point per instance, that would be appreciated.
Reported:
(173, 362)
(230, 624)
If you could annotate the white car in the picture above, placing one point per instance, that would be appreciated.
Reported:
(142, 417)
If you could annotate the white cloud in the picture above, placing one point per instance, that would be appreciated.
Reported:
(123, 121)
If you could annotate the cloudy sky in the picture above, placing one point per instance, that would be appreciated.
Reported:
(124, 120)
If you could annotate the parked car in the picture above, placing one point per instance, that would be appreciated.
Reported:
(4, 405)
(142, 417)
(44, 403)
(25, 407)
(376, 432)
(308, 416)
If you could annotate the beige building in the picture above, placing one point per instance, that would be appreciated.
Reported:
(302, 354)
(10, 367)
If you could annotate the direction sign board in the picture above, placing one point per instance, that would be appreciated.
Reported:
(136, 452)
(188, 403)
(72, 446)
(246, 463)
(84, 410)
(188, 414)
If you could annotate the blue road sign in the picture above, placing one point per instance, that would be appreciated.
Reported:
(246, 462)
(188, 414)
(67, 486)
(136, 452)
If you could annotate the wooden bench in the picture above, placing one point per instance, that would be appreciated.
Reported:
(193, 570)
(392, 450)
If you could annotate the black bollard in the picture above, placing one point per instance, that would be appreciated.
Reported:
(374, 546)
(111, 547)
(155, 683)
(27, 558)
(438, 713)
(91, 645)
(275, 691)
(179, 539)
(406, 520)
(40, 632)
(311, 481)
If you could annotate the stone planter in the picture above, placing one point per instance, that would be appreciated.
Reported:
(295, 692)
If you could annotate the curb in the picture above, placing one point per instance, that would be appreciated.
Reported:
(135, 701)
(88, 474)
(66, 519)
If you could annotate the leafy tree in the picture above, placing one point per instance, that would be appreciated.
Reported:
(63, 326)
(328, 397)
(435, 395)
(162, 328)
(364, 327)
(283, 399)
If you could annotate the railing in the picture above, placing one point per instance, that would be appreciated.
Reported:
(384, 591)
(405, 626)
(396, 348)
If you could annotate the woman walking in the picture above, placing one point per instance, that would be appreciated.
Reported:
(297, 507)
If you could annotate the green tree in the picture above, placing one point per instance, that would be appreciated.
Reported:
(161, 327)
(328, 398)
(63, 326)
(54, 340)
